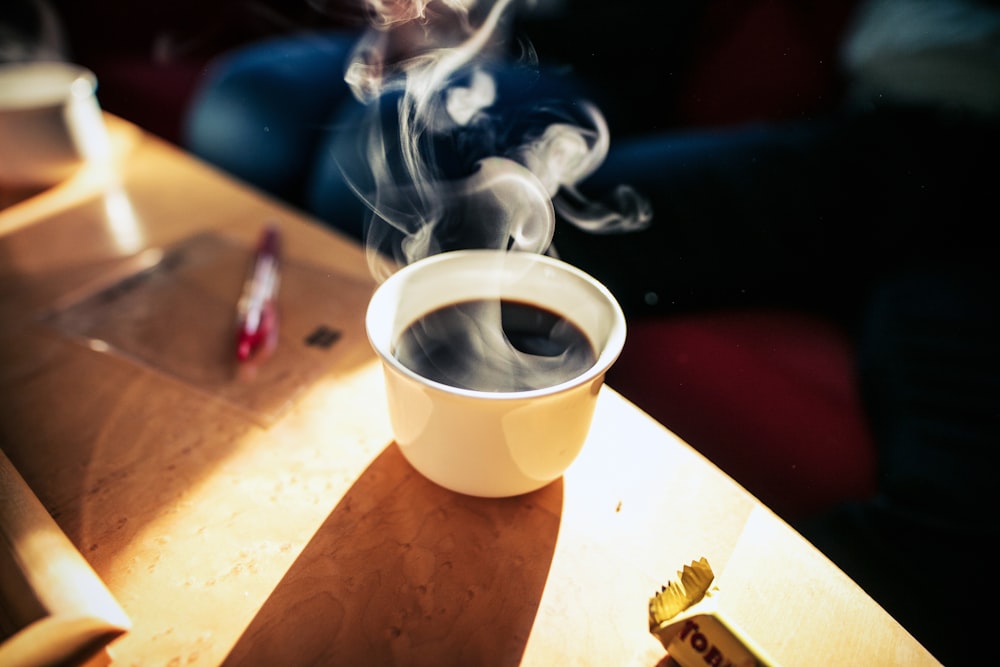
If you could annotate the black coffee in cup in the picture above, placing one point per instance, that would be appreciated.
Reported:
(499, 346)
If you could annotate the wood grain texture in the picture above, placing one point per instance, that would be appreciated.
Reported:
(308, 539)
(405, 572)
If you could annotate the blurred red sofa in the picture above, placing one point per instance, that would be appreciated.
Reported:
(150, 56)
(769, 396)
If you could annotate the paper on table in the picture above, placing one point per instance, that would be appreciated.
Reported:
(177, 314)
(54, 609)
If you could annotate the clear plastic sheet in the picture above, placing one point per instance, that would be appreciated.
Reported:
(176, 313)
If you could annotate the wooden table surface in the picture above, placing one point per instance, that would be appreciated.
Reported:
(238, 524)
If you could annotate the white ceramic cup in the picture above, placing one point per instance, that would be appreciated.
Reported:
(492, 443)
(50, 122)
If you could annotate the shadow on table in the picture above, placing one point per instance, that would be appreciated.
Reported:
(405, 572)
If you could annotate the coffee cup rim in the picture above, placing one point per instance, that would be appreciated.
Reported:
(607, 354)
(20, 89)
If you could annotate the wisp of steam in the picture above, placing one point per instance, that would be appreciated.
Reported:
(423, 70)
(451, 165)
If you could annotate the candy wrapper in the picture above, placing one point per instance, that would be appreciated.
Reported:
(686, 618)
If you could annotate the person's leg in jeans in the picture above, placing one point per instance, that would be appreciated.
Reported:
(263, 109)
(748, 215)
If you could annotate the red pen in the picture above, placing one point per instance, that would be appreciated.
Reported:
(257, 316)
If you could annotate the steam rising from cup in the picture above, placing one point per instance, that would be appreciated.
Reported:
(453, 165)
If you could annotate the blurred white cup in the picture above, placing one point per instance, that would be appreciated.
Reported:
(50, 122)
(493, 443)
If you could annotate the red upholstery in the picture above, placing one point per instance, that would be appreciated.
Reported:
(150, 56)
(767, 396)
(764, 60)
(770, 397)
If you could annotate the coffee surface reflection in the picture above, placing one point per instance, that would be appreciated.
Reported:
(495, 345)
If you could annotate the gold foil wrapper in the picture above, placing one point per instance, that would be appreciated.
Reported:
(685, 617)
(690, 587)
